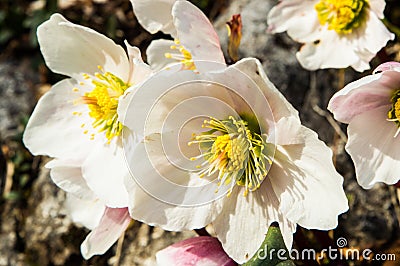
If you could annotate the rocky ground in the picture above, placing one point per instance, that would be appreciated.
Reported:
(34, 227)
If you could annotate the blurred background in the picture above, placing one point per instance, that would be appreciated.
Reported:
(34, 227)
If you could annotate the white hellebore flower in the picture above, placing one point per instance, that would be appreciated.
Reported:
(194, 36)
(76, 123)
(216, 152)
(336, 33)
(371, 107)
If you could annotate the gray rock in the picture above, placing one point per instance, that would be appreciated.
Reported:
(16, 96)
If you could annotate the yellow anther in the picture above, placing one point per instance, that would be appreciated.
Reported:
(394, 112)
(235, 152)
(342, 16)
(184, 56)
(102, 102)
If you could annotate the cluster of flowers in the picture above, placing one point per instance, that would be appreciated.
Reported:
(114, 128)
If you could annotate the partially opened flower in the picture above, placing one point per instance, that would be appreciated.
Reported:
(225, 147)
(371, 107)
(85, 208)
(202, 250)
(77, 121)
(335, 33)
(194, 36)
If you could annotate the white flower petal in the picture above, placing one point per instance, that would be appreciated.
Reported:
(112, 225)
(155, 98)
(84, 212)
(153, 211)
(303, 177)
(104, 171)
(67, 175)
(196, 33)
(151, 162)
(72, 49)
(155, 15)
(298, 18)
(373, 36)
(377, 6)
(364, 94)
(156, 54)
(330, 51)
(280, 107)
(53, 130)
(244, 221)
(139, 70)
(375, 151)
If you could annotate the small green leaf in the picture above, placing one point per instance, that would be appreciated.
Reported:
(272, 252)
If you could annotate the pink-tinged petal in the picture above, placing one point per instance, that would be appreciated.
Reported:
(367, 93)
(303, 177)
(298, 18)
(53, 130)
(155, 15)
(196, 33)
(395, 66)
(104, 171)
(111, 226)
(67, 174)
(374, 149)
(202, 250)
(87, 213)
(244, 221)
(72, 49)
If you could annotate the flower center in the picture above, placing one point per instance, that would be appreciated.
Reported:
(102, 102)
(394, 112)
(239, 154)
(184, 56)
(343, 16)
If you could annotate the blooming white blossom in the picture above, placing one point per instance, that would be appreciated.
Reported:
(76, 123)
(335, 33)
(194, 36)
(371, 107)
(272, 167)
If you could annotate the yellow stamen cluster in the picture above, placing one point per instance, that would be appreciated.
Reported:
(238, 154)
(394, 112)
(184, 56)
(102, 102)
(342, 16)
